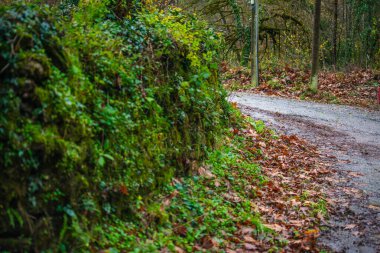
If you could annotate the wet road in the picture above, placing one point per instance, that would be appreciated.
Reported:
(352, 136)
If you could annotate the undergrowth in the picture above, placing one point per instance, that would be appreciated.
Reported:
(101, 105)
(203, 211)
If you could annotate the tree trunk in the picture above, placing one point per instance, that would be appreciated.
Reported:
(255, 44)
(335, 32)
(315, 54)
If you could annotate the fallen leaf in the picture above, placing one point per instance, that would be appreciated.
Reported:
(208, 242)
(312, 232)
(246, 231)
(249, 246)
(205, 173)
(249, 239)
(274, 227)
(350, 226)
(179, 250)
(373, 207)
(180, 230)
(262, 144)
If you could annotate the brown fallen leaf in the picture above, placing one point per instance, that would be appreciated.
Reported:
(262, 144)
(297, 223)
(246, 231)
(208, 242)
(312, 233)
(324, 171)
(179, 250)
(249, 246)
(374, 207)
(249, 239)
(234, 105)
(180, 230)
(163, 250)
(355, 174)
(205, 173)
(350, 226)
(274, 227)
(166, 202)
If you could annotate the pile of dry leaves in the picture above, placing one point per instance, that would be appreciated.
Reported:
(292, 202)
(357, 87)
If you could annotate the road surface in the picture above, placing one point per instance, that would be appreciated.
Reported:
(352, 136)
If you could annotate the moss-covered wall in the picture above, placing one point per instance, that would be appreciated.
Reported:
(97, 112)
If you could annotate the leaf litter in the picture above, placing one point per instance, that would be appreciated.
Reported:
(357, 87)
(291, 200)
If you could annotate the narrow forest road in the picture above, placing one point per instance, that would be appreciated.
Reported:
(351, 138)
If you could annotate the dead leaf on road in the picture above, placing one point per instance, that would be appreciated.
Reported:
(350, 226)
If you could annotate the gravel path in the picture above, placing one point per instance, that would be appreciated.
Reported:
(351, 138)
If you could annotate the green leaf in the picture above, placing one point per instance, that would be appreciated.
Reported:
(109, 157)
(101, 161)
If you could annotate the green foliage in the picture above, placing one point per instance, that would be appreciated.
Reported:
(286, 31)
(210, 204)
(360, 44)
(97, 113)
(275, 83)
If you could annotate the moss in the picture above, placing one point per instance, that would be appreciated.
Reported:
(314, 84)
(99, 112)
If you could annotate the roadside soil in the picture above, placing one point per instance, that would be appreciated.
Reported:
(349, 138)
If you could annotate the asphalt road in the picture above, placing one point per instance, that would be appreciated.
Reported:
(352, 137)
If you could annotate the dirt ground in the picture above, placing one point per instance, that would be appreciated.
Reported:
(349, 138)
